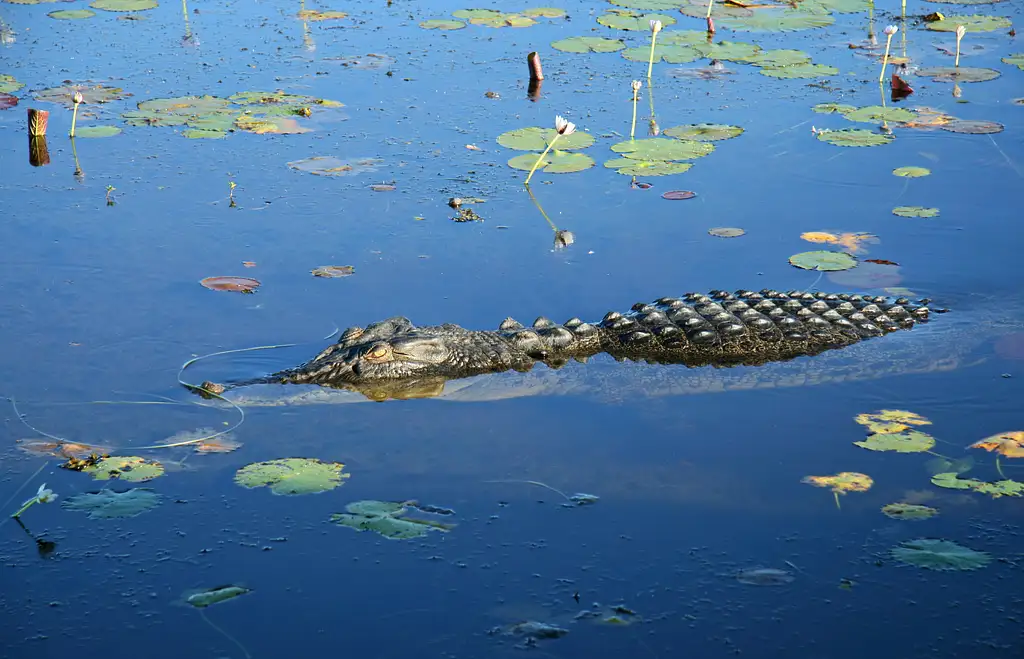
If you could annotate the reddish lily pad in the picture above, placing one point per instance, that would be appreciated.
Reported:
(972, 126)
(7, 101)
(233, 284)
(678, 195)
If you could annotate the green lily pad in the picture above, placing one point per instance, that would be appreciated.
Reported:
(911, 172)
(648, 5)
(204, 134)
(909, 511)
(959, 74)
(71, 14)
(543, 12)
(442, 24)
(216, 120)
(799, 71)
(624, 19)
(633, 167)
(64, 95)
(728, 50)
(703, 132)
(264, 124)
(184, 105)
(317, 16)
(292, 475)
(779, 58)
(332, 166)
(108, 504)
(1017, 59)
(124, 5)
(833, 108)
(784, 20)
(669, 53)
(823, 260)
(494, 18)
(835, 6)
(699, 9)
(908, 441)
(279, 98)
(97, 131)
(205, 598)
(1004, 488)
(939, 465)
(726, 232)
(588, 45)
(535, 138)
(940, 555)
(660, 148)
(132, 469)
(9, 84)
(555, 162)
(973, 23)
(149, 118)
(386, 518)
(854, 137)
(682, 37)
(915, 211)
(972, 126)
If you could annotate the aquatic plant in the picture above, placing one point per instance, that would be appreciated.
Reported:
(889, 31)
(562, 127)
(43, 495)
(77, 98)
(655, 29)
(636, 95)
(960, 32)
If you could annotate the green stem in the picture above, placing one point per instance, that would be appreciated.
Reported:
(836, 495)
(29, 504)
(710, 3)
(650, 61)
(74, 118)
(885, 58)
(632, 128)
(537, 204)
(999, 468)
(539, 160)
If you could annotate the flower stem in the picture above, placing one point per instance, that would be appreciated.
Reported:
(74, 118)
(836, 495)
(650, 61)
(24, 508)
(710, 3)
(999, 468)
(632, 128)
(885, 58)
(539, 160)
(957, 63)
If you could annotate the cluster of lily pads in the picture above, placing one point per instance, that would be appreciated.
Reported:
(492, 18)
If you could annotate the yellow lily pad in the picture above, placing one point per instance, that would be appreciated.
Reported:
(132, 469)
(843, 482)
(909, 511)
(885, 421)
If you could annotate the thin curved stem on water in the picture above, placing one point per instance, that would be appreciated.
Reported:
(537, 204)
(836, 495)
(225, 634)
(538, 483)
(999, 468)
(541, 159)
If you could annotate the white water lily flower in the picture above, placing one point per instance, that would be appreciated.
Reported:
(637, 85)
(78, 98)
(960, 32)
(891, 30)
(42, 496)
(655, 26)
(564, 126)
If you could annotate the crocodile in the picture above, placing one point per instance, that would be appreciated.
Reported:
(719, 329)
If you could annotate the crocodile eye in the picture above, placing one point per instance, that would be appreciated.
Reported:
(378, 351)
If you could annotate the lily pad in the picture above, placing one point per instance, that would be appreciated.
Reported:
(726, 232)
(764, 576)
(663, 52)
(877, 114)
(678, 195)
(699, 9)
(1009, 444)
(260, 98)
(854, 137)
(333, 271)
(728, 50)
(973, 23)
(264, 125)
(703, 132)
(940, 555)
(633, 167)
(909, 511)
(799, 71)
(97, 131)
(959, 74)
(911, 172)
(772, 20)
(908, 441)
(316, 16)
(332, 166)
(555, 162)
(779, 58)
(841, 483)
(624, 19)
(9, 84)
(915, 211)
(386, 518)
(184, 105)
(543, 12)
(588, 45)
(132, 469)
(108, 504)
(682, 37)
(493, 18)
(972, 126)
(92, 95)
(648, 5)
(1017, 59)
(232, 284)
(290, 476)
(442, 24)
(885, 421)
(1003, 488)
(660, 148)
(833, 108)
(71, 14)
(940, 465)
(124, 5)
(535, 138)
(823, 260)
(7, 101)
(205, 598)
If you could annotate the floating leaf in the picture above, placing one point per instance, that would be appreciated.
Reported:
(682, 37)
(544, 12)
(659, 148)
(764, 576)
(124, 5)
(663, 52)
(442, 24)
(852, 242)
(1009, 444)
(9, 84)
(97, 131)
(678, 195)
(908, 441)
(799, 71)
(915, 211)
(830, 108)
(64, 95)
(535, 138)
(911, 172)
(728, 50)
(132, 469)
(841, 483)
(292, 475)
(108, 504)
(7, 101)
(588, 45)
(726, 232)
(315, 15)
(699, 9)
(263, 125)
(972, 126)
(623, 19)
(836, 6)
(71, 14)
(206, 598)
(779, 58)
(878, 113)
(885, 421)
(854, 137)
(555, 162)
(387, 519)
(703, 132)
(229, 283)
(958, 74)
(823, 260)
(1017, 59)
(220, 444)
(648, 5)
(940, 555)
(333, 271)
(771, 20)
(279, 98)
(909, 511)
(634, 167)
(332, 166)
(1004, 488)
(940, 465)
(974, 23)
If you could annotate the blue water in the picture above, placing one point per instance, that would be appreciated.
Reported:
(102, 302)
